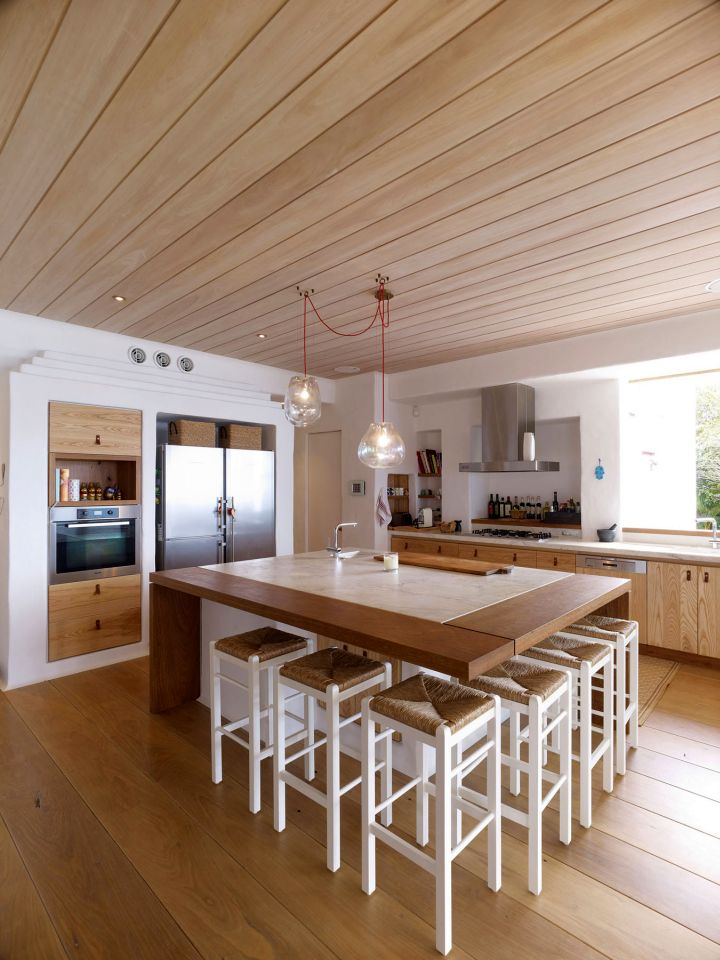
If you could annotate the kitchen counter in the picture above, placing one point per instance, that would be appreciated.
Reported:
(680, 553)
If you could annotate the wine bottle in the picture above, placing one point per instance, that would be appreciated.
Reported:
(556, 505)
(490, 508)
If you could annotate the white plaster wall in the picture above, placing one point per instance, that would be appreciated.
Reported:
(217, 388)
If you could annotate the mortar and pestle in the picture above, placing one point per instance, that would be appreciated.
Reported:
(607, 535)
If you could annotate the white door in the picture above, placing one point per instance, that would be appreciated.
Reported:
(324, 495)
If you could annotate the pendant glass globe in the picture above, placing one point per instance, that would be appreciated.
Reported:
(302, 401)
(382, 446)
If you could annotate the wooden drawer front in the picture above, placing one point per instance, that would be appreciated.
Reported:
(70, 600)
(522, 558)
(400, 544)
(564, 562)
(445, 549)
(78, 428)
(115, 625)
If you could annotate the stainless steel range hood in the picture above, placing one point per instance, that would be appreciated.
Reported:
(508, 411)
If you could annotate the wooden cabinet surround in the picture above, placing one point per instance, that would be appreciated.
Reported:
(93, 615)
(95, 444)
(676, 605)
(84, 429)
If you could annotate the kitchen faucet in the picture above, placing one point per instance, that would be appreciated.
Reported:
(714, 539)
(335, 550)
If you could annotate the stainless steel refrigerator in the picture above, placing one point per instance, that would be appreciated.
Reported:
(213, 506)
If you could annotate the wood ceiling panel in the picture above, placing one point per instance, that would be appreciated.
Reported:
(597, 201)
(391, 43)
(646, 109)
(97, 43)
(303, 36)
(407, 319)
(524, 172)
(560, 186)
(27, 28)
(188, 54)
(345, 155)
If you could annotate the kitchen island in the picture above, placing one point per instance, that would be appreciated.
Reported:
(452, 623)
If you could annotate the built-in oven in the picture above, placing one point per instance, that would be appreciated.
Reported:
(90, 542)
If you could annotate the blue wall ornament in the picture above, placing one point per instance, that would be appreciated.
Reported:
(599, 470)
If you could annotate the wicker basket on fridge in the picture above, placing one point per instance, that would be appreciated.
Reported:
(191, 433)
(241, 436)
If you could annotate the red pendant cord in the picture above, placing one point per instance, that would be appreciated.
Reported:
(379, 312)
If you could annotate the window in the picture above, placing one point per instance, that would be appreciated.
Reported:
(671, 460)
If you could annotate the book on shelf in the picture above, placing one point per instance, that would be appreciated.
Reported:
(430, 462)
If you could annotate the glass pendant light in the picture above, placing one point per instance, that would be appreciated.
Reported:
(302, 401)
(381, 445)
(302, 397)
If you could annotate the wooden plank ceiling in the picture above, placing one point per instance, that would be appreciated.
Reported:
(523, 170)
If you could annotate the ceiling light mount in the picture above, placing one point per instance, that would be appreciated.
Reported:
(381, 292)
(118, 298)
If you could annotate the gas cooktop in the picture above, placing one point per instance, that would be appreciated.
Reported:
(513, 534)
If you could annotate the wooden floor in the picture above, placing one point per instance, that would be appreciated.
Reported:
(115, 844)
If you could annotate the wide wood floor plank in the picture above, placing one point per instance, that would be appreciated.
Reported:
(675, 719)
(290, 866)
(672, 745)
(215, 901)
(26, 929)
(675, 772)
(98, 904)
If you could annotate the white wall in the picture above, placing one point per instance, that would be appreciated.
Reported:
(87, 366)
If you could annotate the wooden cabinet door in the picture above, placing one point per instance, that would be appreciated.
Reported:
(672, 602)
(709, 611)
(83, 429)
(562, 562)
(638, 596)
(93, 615)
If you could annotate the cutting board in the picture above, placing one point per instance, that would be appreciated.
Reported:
(452, 564)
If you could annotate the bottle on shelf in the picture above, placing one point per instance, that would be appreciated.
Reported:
(508, 508)
(491, 509)
(522, 514)
(538, 509)
(556, 505)
(546, 510)
(499, 510)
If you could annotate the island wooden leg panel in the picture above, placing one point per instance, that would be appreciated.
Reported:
(175, 654)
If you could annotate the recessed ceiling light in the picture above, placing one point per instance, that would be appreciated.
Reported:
(262, 336)
(346, 369)
(713, 286)
(119, 298)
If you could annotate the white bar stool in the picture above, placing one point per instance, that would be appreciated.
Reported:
(585, 661)
(333, 675)
(540, 698)
(623, 636)
(258, 652)
(439, 715)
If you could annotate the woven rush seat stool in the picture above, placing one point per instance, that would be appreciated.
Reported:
(439, 715)
(332, 675)
(624, 637)
(584, 662)
(258, 653)
(539, 702)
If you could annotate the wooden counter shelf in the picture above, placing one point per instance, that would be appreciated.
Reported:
(540, 524)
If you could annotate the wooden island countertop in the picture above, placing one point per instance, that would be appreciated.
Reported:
(450, 622)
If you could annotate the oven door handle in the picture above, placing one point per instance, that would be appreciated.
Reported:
(102, 523)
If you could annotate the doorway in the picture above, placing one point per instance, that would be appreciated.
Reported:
(324, 498)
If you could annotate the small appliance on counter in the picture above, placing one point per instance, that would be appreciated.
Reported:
(425, 517)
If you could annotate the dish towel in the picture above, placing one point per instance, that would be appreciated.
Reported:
(382, 511)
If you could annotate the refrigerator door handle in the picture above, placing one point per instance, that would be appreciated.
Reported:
(219, 513)
(231, 514)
